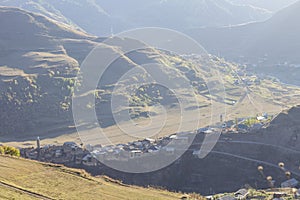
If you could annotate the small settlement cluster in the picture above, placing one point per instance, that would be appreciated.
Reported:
(89, 155)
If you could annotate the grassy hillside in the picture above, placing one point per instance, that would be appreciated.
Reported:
(39, 66)
(24, 179)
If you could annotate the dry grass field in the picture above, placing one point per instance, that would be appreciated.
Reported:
(25, 179)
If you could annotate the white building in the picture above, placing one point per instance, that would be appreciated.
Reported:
(135, 153)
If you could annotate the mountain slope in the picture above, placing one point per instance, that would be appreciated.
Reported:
(40, 59)
(39, 62)
(27, 181)
(36, 68)
(41, 7)
(101, 18)
(181, 16)
(80, 14)
(277, 38)
(267, 44)
(272, 5)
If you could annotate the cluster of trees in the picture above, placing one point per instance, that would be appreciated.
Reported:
(6, 150)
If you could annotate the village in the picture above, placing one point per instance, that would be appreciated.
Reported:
(89, 156)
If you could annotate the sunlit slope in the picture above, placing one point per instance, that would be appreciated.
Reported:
(48, 181)
(40, 59)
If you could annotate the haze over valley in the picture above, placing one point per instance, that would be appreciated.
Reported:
(199, 98)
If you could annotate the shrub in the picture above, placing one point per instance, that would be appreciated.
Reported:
(5, 150)
(1, 150)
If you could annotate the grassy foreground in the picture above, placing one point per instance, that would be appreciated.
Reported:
(26, 179)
